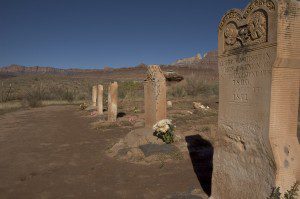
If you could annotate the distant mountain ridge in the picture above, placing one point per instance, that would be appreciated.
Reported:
(17, 69)
(209, 61)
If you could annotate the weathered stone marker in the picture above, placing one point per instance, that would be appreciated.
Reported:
(112, 102)
(100, 99)
(155, 96)
(285, 96)
(258, 52)
(94, 95)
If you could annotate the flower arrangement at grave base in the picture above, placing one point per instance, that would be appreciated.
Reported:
(164, 129)
(135, 109)
(83, 106)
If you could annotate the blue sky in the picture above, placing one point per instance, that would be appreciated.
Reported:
(116, 33)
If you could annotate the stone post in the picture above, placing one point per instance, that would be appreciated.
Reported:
(94, 96)
(112, 102)
(100, 99)
(155, 96)
(285, 96)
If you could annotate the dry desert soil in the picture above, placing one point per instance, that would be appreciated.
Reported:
(52, 152)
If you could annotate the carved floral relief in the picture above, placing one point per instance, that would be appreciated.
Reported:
(253, 32)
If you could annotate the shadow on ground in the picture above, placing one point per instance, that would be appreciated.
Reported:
(201, 153)
(121, 114)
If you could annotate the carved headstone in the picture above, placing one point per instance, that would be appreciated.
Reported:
(113, 102)
(155, 96)
(100, 99)
(250, 65)
(94, 96)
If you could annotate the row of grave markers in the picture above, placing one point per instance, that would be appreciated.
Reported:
(97, 100)
(256, 146)
(154, 94)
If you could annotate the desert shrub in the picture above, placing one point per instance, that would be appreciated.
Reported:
(193, 86)
(213, 88)
(6, 93)
(129, 89)
(64, 94)
(59, 93)
(34, 96)
(177, 90)
(81, 96)
(196, 86)
(56, 87)
(289, 194)
(37, 93)
(69, 96)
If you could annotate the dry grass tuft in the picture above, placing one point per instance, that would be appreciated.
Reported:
(6, 107)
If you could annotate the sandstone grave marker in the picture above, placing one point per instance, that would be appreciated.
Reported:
(255, 57)
(112, 102)
(155, 96)
(94, 96)
(100, 99)
(285, 96)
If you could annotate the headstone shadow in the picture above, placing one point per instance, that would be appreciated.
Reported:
(201, 153)
(121, 114)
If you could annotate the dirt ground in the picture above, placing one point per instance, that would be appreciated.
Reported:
(52, 152)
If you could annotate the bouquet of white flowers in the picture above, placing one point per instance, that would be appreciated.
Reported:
(164, 129)
(83, 106)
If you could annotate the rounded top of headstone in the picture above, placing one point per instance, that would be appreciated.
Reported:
(250, 28)
(155, 73)
(238, 14)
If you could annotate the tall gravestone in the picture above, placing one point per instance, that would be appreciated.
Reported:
(94, 95)
(249, 51)
(155, 96)
(285, 96)
(100, 99)
(113, 102)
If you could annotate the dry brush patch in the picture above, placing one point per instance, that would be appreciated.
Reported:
(38, 90)
(55, 85)
(193, 86)
(10, 106)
